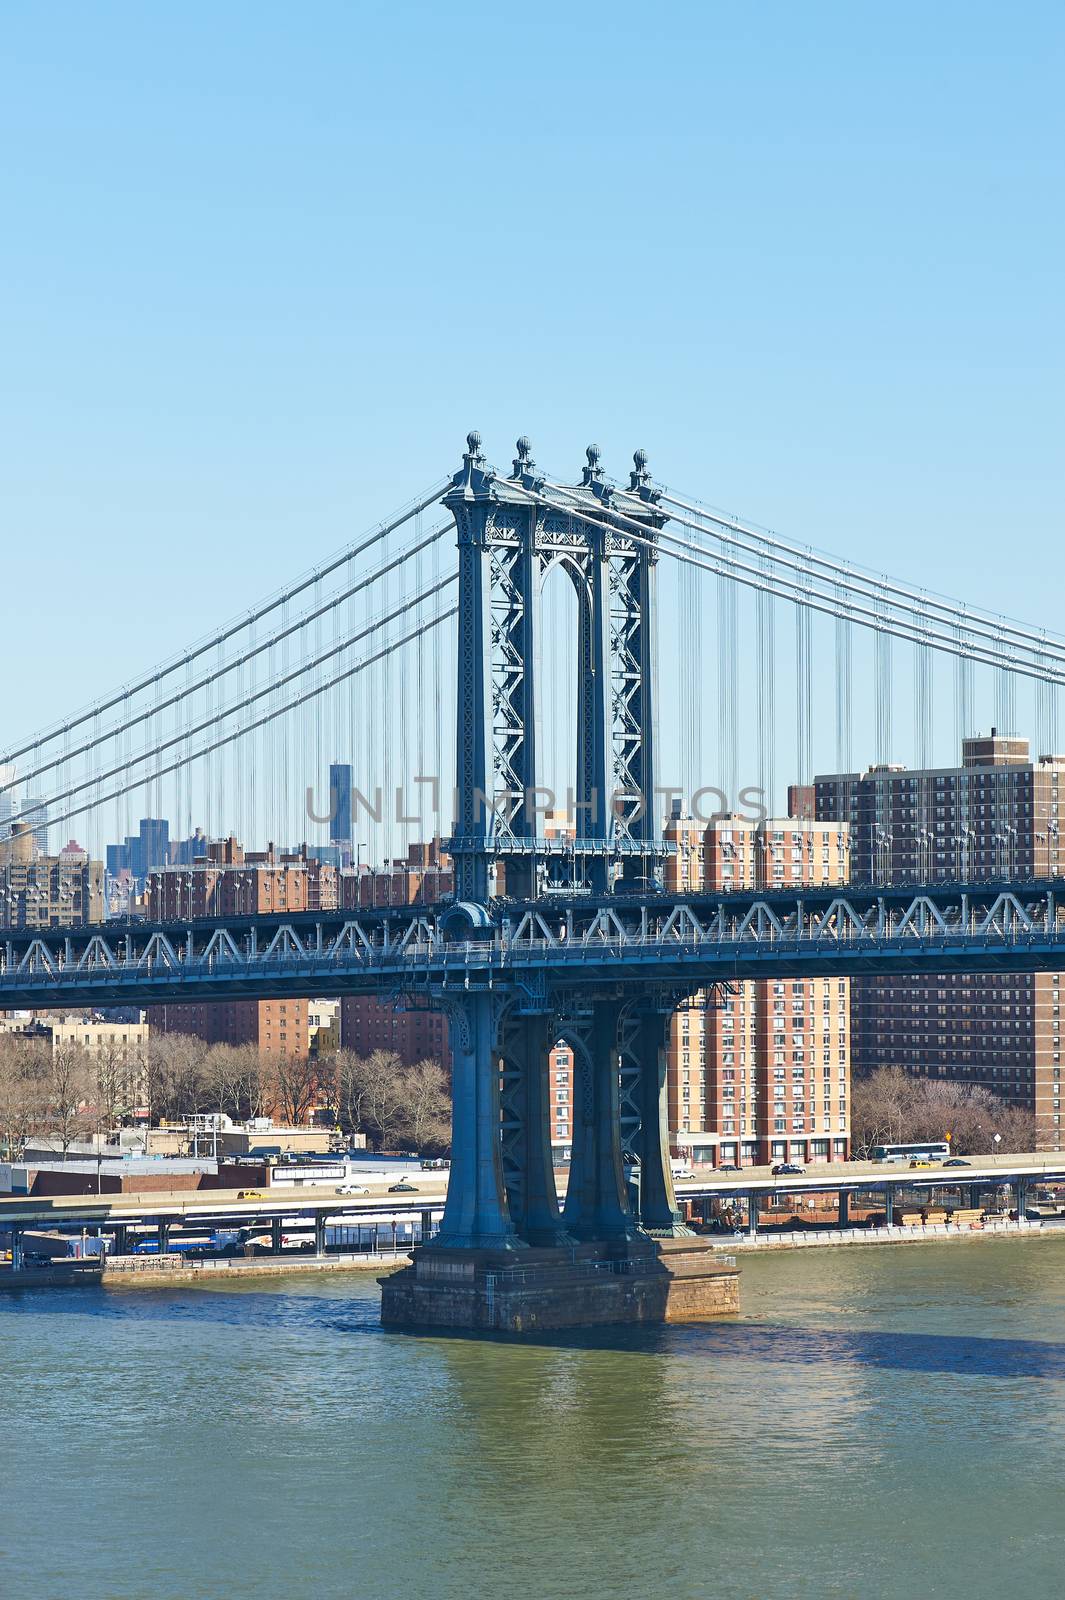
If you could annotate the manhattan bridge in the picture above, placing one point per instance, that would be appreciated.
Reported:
(530, 675)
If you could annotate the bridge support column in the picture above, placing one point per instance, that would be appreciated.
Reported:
(162, 1234)
(427, 1227)
(889, 1206)
(844, 1209)
(319, 1233)
(16, 1248)
(597, 1200)
(475, 1212)
(659, 1211)
(528, 1171)
(752, 1215)
(1021, 1191)
(121, 1239)
(275, 1235)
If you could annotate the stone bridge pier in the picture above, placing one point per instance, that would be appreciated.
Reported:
(508, 1256)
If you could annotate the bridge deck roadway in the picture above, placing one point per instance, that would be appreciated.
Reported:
(854, 1177)
(574, 942)
(466, 968)
(204, 1204)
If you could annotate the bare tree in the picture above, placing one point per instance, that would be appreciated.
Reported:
(428, 1106)
(174, 1074)
(891, 1106)
(254, 1082)
(69, 1091)
(296, 1080)
(115, 1071)
(392, 1103)
(223, 1078)
(25, 1065)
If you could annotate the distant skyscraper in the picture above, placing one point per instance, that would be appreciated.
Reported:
(34, 812)
(7, 800)
(143, 851)
(340, 818)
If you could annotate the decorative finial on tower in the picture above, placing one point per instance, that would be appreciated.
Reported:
(592, 474)
(473, 442)
(640, 476)
(524, 465)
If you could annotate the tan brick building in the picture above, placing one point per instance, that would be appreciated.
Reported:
(761, 1072)
(42, 891)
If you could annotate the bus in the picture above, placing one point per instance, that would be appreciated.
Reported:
(936, 1150)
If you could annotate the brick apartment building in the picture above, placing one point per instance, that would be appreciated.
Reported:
(998, 815)
(276, 1027)
(762, 1072)
(227, 880)
(366, 1023)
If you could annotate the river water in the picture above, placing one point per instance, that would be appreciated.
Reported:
(881, 1421)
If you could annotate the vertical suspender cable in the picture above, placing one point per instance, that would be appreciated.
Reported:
(884, 690)
(803, 695)
(843, 628)
(922, 704)
(1005, 701)
(727, 680)
(765, 615)
(963, 694)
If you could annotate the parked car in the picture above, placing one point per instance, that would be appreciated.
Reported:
(727, 1166)
(682, 1175)
(403, 1187)
(955, 1161)
(250, 1194)
(787, 1169)
(352, 1188)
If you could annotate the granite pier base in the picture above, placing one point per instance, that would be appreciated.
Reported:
(586, 1285)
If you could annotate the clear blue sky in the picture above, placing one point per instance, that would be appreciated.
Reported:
(263, 265)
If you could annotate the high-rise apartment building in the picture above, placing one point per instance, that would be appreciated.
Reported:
(998, 815)
(42, 891)
(760, 1071)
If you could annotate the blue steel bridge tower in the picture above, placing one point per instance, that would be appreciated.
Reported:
(511, 534)
(509, 538)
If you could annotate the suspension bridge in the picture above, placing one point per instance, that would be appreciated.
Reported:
(531, 674)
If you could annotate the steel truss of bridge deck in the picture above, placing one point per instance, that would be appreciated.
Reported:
(572, 941)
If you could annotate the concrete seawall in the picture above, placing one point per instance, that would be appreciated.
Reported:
(933, 1232)
(154, 1272)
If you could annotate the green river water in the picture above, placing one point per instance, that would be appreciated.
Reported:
(879, 1421)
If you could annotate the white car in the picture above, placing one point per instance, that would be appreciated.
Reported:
(352, 1188)
(682, 1175)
